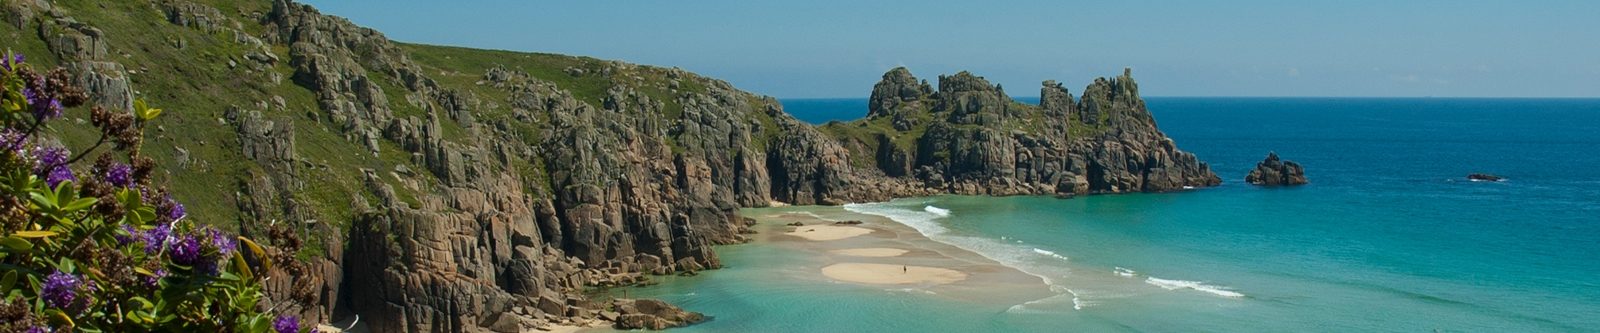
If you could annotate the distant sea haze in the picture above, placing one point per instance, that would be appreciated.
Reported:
(1389, 235)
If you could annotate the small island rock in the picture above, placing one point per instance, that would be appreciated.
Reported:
(1484, 177)
(1275, 172)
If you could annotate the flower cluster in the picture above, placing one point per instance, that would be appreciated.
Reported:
(66, 291)
(108, 249)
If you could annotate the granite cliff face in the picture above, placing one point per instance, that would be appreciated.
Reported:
(970, 137)
(450, 190)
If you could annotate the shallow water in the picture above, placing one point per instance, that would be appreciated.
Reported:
(1388, 237)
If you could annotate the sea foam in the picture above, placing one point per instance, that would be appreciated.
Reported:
(1049, 253)
(1025, 259)
(1194, 285)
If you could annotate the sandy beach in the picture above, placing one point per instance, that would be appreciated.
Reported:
(828, 232)
(891, 274)
(875, 251)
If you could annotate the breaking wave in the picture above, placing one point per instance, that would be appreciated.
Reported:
(1194, 285)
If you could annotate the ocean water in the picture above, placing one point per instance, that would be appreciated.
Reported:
(1388, 237)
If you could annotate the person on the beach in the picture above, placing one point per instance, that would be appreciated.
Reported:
(904, 269)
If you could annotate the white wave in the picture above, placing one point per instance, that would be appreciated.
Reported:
(912, 290)
(1194, 285)
(1187, 187)
(1025, 259)
(1044, 305)
(1049, 253)
(1077, 302)
(1124, 272)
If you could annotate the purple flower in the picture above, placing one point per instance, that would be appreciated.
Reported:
(119, 174)
(177, 212)
(131, 235)
(46, 158)
(154, 281)
(224, 244)
(156, 238)
(11, 140)
(59, 174)
(61, 290)
(286, 324)
(185, 251)
(30, 96)
(47, 110)
(12, 62)
(37, 329)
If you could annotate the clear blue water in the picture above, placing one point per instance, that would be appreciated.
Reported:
(1388, 236)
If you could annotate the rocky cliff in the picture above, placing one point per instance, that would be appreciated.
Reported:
(447, 190)
(970, 137)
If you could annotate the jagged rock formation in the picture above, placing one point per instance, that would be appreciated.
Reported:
(1274, 172)
(456, 190)
(650, 314)
(970, 137)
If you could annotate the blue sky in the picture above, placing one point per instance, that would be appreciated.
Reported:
(829, 48)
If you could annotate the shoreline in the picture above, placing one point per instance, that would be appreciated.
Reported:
(874, 251)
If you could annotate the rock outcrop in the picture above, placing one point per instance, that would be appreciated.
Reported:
(1275, 172)
(970, 137)
(650, 314)
(442, 192)
(1484, 177)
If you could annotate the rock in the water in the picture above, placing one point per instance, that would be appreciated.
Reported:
(652, 314)
(851, 222)
(1274, 172)
(1484, 177)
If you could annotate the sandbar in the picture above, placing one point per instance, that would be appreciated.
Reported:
(874, 252)
(827, 232)
(891, 274)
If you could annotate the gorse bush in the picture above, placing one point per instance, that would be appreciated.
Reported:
(103, 248)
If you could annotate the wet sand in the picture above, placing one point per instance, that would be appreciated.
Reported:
(881, 252)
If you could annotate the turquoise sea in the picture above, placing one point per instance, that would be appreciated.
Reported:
(1388, 237)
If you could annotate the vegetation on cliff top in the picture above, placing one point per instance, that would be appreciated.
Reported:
(105, 248)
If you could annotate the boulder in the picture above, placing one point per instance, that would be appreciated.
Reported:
(651, 314)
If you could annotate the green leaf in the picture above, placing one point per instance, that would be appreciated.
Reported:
(15, 244)
(59, 318)
(145, 112)
(143, 303)
(79, 204)
(149, 114)
(258, 253)
(244, 269)
(10, 279)
(43, 199)
(36, 234)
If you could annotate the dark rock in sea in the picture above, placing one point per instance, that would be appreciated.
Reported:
(651, 314)
(795, 224)
(1273, 172)
(852, 222)
(1484, 177)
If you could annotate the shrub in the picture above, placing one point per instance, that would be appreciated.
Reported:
(104, 248)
